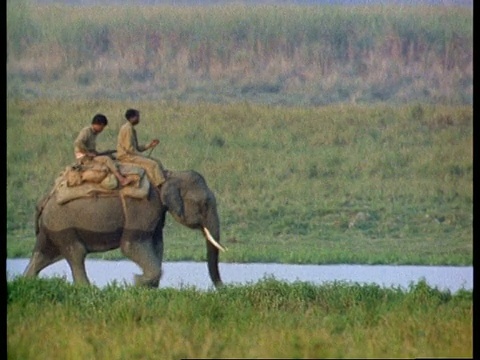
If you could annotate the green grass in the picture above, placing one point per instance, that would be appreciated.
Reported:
(300, 55)
(270, 319)
(337, 184)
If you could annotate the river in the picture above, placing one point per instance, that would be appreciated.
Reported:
(195, 274)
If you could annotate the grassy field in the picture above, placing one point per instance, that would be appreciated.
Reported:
(290, 55)
(52, 319)
(336, 184)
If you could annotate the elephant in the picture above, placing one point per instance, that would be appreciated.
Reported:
(96, 224)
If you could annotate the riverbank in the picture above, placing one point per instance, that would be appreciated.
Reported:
(54, 319)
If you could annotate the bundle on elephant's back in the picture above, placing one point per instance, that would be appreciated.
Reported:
(78, 174)
(75, 183)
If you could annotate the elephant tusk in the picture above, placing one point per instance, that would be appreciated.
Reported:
(212, 240)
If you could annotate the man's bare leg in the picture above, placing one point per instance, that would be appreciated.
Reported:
(113, 168)
(124, 181)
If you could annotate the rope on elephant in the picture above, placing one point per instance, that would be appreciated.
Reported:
(124, 205)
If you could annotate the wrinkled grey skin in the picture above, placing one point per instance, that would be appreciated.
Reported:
(83, 226)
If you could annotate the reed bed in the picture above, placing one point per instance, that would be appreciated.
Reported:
(307, 55)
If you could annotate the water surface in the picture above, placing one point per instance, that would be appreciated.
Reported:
(180, 274)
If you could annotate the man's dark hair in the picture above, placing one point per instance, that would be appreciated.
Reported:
(130, 113)
(100, 119)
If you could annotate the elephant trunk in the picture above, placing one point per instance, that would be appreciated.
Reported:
(212, 229)
(212, 258)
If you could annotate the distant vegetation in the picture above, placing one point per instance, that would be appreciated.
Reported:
(292, 55)
(53, 319)
(259, 2)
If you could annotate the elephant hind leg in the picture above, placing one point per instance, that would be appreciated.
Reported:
(38, 262)
(44, 255)
(145, 255)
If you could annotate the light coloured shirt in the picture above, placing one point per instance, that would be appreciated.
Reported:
(85, 142)
(127, 143)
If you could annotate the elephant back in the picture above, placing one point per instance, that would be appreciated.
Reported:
(104, 214)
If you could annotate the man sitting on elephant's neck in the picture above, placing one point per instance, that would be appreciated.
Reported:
(128, 149)
(85, 147)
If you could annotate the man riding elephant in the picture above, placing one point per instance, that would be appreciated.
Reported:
(85, 148)
(130, 151)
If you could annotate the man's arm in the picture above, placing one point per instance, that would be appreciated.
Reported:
(106, 152)
(141, 148)
(80, 143)
(150, 145)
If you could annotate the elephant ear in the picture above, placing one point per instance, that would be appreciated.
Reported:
(172, 199)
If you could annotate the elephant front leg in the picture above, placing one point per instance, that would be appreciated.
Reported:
(144, 253)
(158, 238)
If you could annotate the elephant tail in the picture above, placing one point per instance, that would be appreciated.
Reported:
(38, 212)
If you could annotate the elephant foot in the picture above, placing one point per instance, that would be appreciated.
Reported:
(142, 280)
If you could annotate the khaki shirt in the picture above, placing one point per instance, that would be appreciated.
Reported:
(127, 143)
(85, 142)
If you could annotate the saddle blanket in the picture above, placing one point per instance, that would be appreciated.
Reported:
(66, 190)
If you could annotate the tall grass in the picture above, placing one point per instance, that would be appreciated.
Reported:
(289, 54)
(54, 319)
(333, 184)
